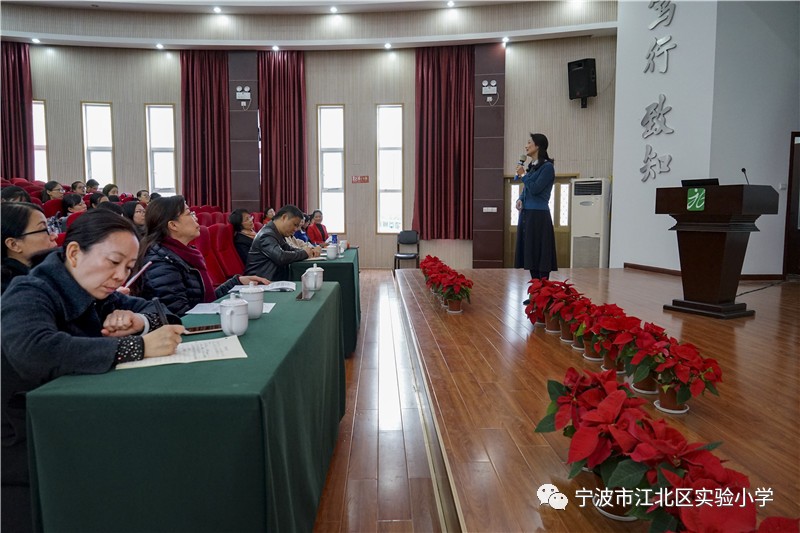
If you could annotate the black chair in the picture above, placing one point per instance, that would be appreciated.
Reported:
(406, 238)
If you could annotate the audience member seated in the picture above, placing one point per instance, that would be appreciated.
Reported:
(134, 211)
(111, 206)
(96, 199)
(71, 203)
(143, 196)
(270, 255)
(243, 232)
(114, 198)
(301, 233)
(317, 232)
(52, 191)
(66, 317)
(15, 194)
(153, 196)
(25, 234)
(178, 275)
(78, 187)
(92, 186)
(268, 216)
(111, 189)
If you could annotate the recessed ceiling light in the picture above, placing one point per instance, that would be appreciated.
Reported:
(35, 40)
(275, 47)
(217, 10)
(334, 9)
(451, 3)
(505, 39)
(387, 45)
(159, 46)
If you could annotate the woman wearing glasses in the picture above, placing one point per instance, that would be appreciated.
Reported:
(25, 234)
(134, 211)
(52, 191)
(178, 276)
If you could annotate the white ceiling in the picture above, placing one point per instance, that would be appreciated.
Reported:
(239, 7)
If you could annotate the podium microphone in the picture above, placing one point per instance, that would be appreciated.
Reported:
(744, 171)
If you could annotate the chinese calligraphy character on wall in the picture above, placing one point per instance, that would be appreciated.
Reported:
(660, 49)
(653, 164)
(655, 119)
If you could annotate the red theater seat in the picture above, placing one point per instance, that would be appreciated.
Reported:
(222, 239)
(73, 217)
(60, 239)
(19, 181)
(52, 207)
(203, 243)
(218, 217)
(204, 219)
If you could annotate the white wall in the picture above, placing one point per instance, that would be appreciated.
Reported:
(732, 84)
(757, 57)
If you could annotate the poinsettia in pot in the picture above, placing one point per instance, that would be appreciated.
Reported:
(586, 329)
(638, 350)
(583, 320)
(597, 413)
(455, 289)
(564, 307)
(436, 276)
(543, 293)
(605, 330)
(682, 373)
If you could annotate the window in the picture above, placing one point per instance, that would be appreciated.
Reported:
(161, 148)
(330, 125)
(98, 142)
(515, 191)
(40, 141)
(390, 168)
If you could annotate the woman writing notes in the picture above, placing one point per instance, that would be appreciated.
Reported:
(67, 317)
(536, 242)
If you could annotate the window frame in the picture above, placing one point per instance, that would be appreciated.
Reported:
(151, 184)
(320, 169)
(42, 148)
(87, 150)
(378, 150)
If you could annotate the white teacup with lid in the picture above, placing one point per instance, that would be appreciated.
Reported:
(233, 315)
(333, 251)
(254, 297)
(312, 279)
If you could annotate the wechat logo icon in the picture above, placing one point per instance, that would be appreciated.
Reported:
(548, 495)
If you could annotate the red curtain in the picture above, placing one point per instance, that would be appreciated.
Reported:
(206, 128)
(16, 159)
(282, 102)
(444, 142)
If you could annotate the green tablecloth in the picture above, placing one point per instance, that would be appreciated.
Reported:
(235, 445)
(343, 269)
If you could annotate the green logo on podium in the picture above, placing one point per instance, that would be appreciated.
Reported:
(696, 200)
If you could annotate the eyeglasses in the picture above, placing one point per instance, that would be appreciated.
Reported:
(190, 213)
(45, 230)
(58, 190)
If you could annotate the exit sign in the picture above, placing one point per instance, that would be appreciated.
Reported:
(360, 179)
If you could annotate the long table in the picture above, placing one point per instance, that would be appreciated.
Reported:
(343, 269)
(233, 445)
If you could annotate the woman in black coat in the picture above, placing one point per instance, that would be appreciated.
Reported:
(178, 275)
(243, 232)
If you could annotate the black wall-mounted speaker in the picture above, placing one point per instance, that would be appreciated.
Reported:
(582, 78)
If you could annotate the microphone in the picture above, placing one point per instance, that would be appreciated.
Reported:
(744, 171)
(522, 159)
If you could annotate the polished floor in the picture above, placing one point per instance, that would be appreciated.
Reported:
(486, 372)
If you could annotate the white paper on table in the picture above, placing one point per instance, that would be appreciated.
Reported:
(195, 352)
(204, 309)
(275, 286)
(268, 307)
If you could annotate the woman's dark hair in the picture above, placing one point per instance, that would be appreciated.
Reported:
(96, 226)
(129, 209)
(68, 201)
(108, 188)
(236, 218)
(74, 184)
(94, 199)
(92, 183)
(113, 198)
(542, 143)
(139, 193)
(291, 210)
(49, 186)
(15, 194)
(14, 220)
(154, 195)
(111, 206)
(157, 218)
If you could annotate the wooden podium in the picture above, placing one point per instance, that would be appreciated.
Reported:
(713, 224)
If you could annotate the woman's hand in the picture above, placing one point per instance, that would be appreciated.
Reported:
(121, 324)
(314, 252)
(124, 290)
(520, 170)
(519, 205)
(245, 280)
(163, 341)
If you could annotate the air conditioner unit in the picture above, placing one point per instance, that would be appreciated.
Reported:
(590, 222)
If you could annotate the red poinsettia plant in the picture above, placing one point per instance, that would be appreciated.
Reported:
(430, 264)
(682, 367)
(610, 323)
(455, 286)
(544, 293)
(639, 348)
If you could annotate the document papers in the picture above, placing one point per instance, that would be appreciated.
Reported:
(213, 309)
(194, 352)
(275, 286)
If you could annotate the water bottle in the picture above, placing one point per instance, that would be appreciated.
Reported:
(334, 238)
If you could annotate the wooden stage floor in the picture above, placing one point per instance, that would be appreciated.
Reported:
(486, 371)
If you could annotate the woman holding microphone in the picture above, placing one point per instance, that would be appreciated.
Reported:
(536, 241)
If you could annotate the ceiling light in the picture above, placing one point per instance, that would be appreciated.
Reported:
(505, 39)
(451, 3)
(275, 47)
(159, 46)
(35, 40)
(217, 10)
(333, 9)
(387, 45)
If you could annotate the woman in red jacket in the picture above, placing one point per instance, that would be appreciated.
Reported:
(317, 232)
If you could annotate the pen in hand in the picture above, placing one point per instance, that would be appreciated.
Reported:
(161, 314)
(136, 276)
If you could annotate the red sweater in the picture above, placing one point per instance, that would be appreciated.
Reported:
(315, 236)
